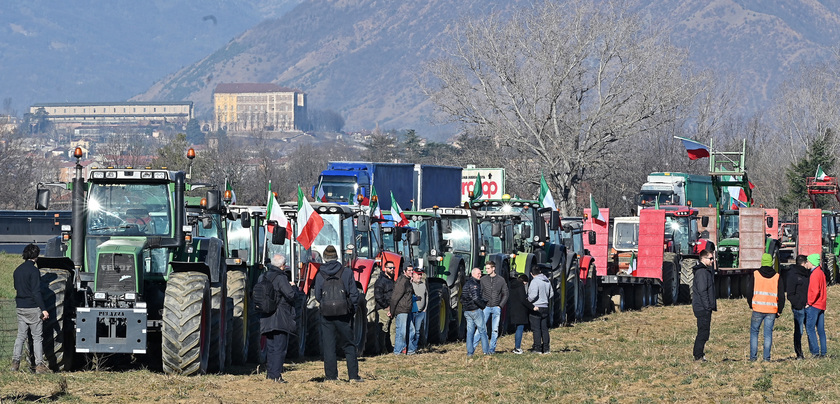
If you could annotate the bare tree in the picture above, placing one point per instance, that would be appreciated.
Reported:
(560, 84)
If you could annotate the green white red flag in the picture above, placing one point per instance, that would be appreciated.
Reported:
(546, 199)
(595, 212)
(309, 222)
(397, 212)
(228, 187)
(375, 211)
(820, 175)
(275, 215)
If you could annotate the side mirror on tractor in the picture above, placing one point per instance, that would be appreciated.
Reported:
(496, 229)
(278, 235)
(554, 220)
(592, 237)
(42, 200)
(704, 221)
(214, 200)
(414, 238)
(245, 219)
(363, 223)
(769, 221)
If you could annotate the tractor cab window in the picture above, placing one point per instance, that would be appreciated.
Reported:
(330, 234)
(828, 225)
(626, 236)
(239, 240)
(213, 231)
(652, 198)
(729, 226)
(460, 235)
(426, 235)
(339, 189)
(128, 210)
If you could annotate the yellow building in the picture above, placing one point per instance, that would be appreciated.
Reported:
(258, 106)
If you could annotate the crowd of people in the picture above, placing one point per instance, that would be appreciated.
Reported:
(804, 285)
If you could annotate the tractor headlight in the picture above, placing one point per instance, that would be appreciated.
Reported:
(722, 249)
(733, 249)
(130, 296)
(100, 296)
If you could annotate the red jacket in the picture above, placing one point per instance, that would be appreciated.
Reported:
(816, 289)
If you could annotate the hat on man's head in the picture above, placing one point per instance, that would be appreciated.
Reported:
(766, 260)
(814, 259)
(330, 254)
(418, 270)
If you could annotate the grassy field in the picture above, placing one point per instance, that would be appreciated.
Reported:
(8, 263)
(642, 356)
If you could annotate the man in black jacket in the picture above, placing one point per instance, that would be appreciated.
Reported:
(383, 288)
(400, 309)
(494, 291)
(798, 278)
(703, 302)
(337, 326)
(31, 310)
(277, 326)
(473, 305)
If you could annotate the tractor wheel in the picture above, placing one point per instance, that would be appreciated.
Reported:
(254, 337)
(670, 290)
(57, 331)
(829, 269)
(458, 324)
(438, 313)
(687, 279)
(725, 287)
(297, 340)
(591, 294)
(229, 333)
(373, 342)
(743, 285)
(359, 325)
(639, 298)
(735, 286)
(218, 334)
(313, 327)
(186, 324)
(237, 282)
(625, 296)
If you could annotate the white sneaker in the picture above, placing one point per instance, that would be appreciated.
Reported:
(518, 351)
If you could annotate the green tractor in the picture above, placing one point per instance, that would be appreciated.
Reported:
(133, 279)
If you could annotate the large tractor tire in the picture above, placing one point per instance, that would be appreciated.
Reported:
(58, 338)
(359, 325)
(312, 311)
(254, 336)
(579, 297)
(458, 323)
(639, 298)
(591, 294)
(237, 282)
(438, 313)
(725, 291)
(670, 283)
(625, 297)
(687, 279)
(186, 324)
(218, 333)
(830, 269)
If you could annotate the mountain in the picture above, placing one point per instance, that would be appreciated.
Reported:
(102, 50)
(359, 57)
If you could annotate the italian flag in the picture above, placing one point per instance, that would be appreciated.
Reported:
(546, 200)
(309, 222)
(320, 195)
(633, 263)
(275, 215)
(228, 187)
(375, 211)
(397, 212)
(595, 212)
(820, 175)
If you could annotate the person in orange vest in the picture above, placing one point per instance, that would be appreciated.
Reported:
(815, 308)
(766, 297)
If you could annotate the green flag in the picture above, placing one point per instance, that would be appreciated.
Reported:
(477, 190)
(820, 175)
(546, 199)
(595, 212)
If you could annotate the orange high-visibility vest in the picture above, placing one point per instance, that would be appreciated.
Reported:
(765, 294)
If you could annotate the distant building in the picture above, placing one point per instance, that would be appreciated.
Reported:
(75, 115)
(258, 106)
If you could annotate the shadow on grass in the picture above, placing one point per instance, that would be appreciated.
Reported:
(32, 397)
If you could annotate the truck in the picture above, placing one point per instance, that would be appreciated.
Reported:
(679, 189)
(414, 186)
(128, 277)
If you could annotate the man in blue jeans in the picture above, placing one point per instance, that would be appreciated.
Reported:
(766, 298)
(494, 291)
(473, 304)
(402, 299)
(797, 294)
(418, 310)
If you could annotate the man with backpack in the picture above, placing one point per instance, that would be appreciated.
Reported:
(401, 299)
(277, 324)
(337, 295)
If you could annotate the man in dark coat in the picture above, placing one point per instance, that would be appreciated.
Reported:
(703, 302)
(383, 289)
(31, 310)
(337, 328)
(519, 308)
(400, 309)
(277, 326)
(473, 305)
(798, 278)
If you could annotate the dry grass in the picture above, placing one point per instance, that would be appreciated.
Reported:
(628, 357)
(8, 263)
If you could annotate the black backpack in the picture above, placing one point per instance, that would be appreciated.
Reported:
(264, 295)
(335, 300)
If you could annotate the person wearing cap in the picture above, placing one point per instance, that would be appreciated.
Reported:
(418, 309)
(400, 308)
(336, 330)
(494, 290)
(815, 308)
(703, 302)
(766, 297)
(540, 293)
(383, 289)
(796, 288)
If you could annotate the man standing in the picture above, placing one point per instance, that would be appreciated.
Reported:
(277, 326)
(539, 294)
(798, 278)
(418, 309)
(494, 291)
(383, 289)
(400, 308)
(815, 308)
(31, 310)
(703, 302)
(473, 304)
(766, 298)
(338, 325)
